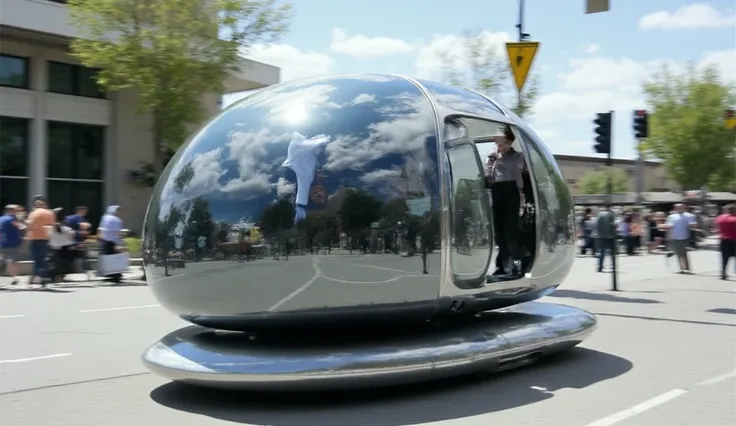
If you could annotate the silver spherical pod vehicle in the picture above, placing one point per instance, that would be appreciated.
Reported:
(340, 232)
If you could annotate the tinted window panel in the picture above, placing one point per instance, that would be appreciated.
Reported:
(372, 170)
(69, 195)
(13, 71)
(76, 151)
(13, 191)
(61, 78)
(14, 134)
(73, 80)
(87, 83)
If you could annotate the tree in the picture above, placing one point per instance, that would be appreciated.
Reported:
(481, 67)
(686, 127)
(172, 52)
(596, 182)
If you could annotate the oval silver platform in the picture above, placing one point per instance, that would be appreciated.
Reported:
(495, 340)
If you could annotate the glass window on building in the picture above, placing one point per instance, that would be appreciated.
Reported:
(14, 133)
(76, 167)
(76, 80)
(14, 71)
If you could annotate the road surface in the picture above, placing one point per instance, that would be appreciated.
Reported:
(663, 355)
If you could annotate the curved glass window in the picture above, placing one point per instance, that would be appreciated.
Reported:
(349, 159)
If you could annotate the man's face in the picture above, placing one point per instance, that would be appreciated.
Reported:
(82, 212)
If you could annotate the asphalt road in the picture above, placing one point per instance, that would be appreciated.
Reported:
(664, 355)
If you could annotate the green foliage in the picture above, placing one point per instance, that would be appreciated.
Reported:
(596, 182)
(172, 52)
(134, 245)
(488, 72)
(687, 130)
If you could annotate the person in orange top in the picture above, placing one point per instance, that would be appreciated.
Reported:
(38, 237)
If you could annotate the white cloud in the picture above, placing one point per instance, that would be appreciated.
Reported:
(449, 50)
(590, 48)
(688, 17)
(361, 46)
(294, 63)
(600, 84)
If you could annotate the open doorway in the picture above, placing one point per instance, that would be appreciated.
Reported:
(511, 197)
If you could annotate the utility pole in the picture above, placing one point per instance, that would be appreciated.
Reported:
(603, 145)
(522, 38)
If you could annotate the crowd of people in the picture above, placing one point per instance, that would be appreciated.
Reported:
(603, 232)
(55, 243)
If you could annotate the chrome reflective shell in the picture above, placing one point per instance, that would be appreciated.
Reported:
(328, 201)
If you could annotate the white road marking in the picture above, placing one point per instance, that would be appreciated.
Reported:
(11, 316)
(718, 379)
(36, 358)
(121, 308)
(317, 274)
(638, 409)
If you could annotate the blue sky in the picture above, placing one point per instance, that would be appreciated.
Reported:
(586, 64)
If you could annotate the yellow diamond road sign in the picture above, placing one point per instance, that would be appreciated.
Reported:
(730, 119)
(521, 56)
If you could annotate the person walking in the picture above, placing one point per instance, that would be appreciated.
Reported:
(606, 232)
(79, 224)
(587, 232)
(110, 235)
(38, 237)
(681, 225)
(11, 238)
(726, 224)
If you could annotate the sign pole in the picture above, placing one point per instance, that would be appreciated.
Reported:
(609, 190)
(521, 55)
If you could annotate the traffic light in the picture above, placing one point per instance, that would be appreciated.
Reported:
(641, 124)
(603, 133)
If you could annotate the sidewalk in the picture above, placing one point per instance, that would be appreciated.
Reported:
(135, 275)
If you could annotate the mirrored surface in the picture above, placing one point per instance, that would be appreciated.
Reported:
(319, 202)
(471, 241)
(313, 201)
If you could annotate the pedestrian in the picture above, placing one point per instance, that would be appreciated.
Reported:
(587, 225)
(726, 224)
(61, 244)
(11, 238)
(38, 238)
(605, 229)
(110, 236)
(681, 225)
(79, 224)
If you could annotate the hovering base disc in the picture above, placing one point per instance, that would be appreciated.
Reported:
(493, 341)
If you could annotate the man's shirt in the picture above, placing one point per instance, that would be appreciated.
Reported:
(606, 225)
(10, 235)
(38, 221)
(726, 224)
(680, 225)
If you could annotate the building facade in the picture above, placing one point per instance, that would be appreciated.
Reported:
(60, 135)
(575, 167)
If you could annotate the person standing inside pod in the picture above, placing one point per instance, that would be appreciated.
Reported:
(504, 176)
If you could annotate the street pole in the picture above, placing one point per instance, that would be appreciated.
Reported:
(522, 37)
(614, 246)
(639, 174)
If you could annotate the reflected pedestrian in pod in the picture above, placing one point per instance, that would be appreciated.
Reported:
(504, 176)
